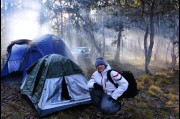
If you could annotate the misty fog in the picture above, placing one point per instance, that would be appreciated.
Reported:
(28, 19)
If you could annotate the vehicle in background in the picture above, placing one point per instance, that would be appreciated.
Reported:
(82, 55)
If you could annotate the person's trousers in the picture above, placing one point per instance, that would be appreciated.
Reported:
(100, 100)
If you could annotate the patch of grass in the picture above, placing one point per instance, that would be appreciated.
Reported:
(169, 103)
(163, 114)
(61, 115)
(162, 74)
(155, 89)
(165, 75)
(147, 80)
(162, 81)
(162, 78)
(149, 114)
(140, 85)
(155, 79)
(172, 90)
(14, 105)
(145, 105)
(176, 110)
(131, 110)
(173, 97)
(144, 77)
(159, 65)
(165, 82)
(149, 104)
(78, 112)
(151, 93)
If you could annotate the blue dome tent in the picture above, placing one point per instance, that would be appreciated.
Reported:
(22, 53)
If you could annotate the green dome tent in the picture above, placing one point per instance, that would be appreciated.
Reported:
(55, 83)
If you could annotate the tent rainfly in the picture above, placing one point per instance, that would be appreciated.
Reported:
(55, 83)
(22, 53)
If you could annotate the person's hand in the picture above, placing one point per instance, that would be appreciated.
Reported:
(97, 86)
(112, 99)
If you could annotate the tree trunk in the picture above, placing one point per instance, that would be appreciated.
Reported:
(103, 36)
(104, 44)
(68, 33)
(135, 51)
(145, 48)
(94, 43)
(167, 49)
(139, 44)
(122, 46)
(149, 53)
(157, 50)
(173, 56)
(174, 45)
(158, 42)
(62, 24)
(117, 55)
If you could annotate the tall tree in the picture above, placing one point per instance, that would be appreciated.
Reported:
(81, 15)
(150, 10)
(116, 22)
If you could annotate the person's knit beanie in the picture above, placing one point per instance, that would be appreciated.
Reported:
(100, 61)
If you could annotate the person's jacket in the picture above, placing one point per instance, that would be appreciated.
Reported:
(108, 87)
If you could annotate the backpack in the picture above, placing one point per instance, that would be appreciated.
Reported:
(132, 90)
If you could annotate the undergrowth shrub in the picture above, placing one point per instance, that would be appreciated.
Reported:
(169, 103)
(155, 89)
(173, 97)
(147, 80)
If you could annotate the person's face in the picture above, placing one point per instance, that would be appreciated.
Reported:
(100, 68)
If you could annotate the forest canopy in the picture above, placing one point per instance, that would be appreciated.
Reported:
(125, 29)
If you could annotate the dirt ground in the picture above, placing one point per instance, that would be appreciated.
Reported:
(15, 106)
